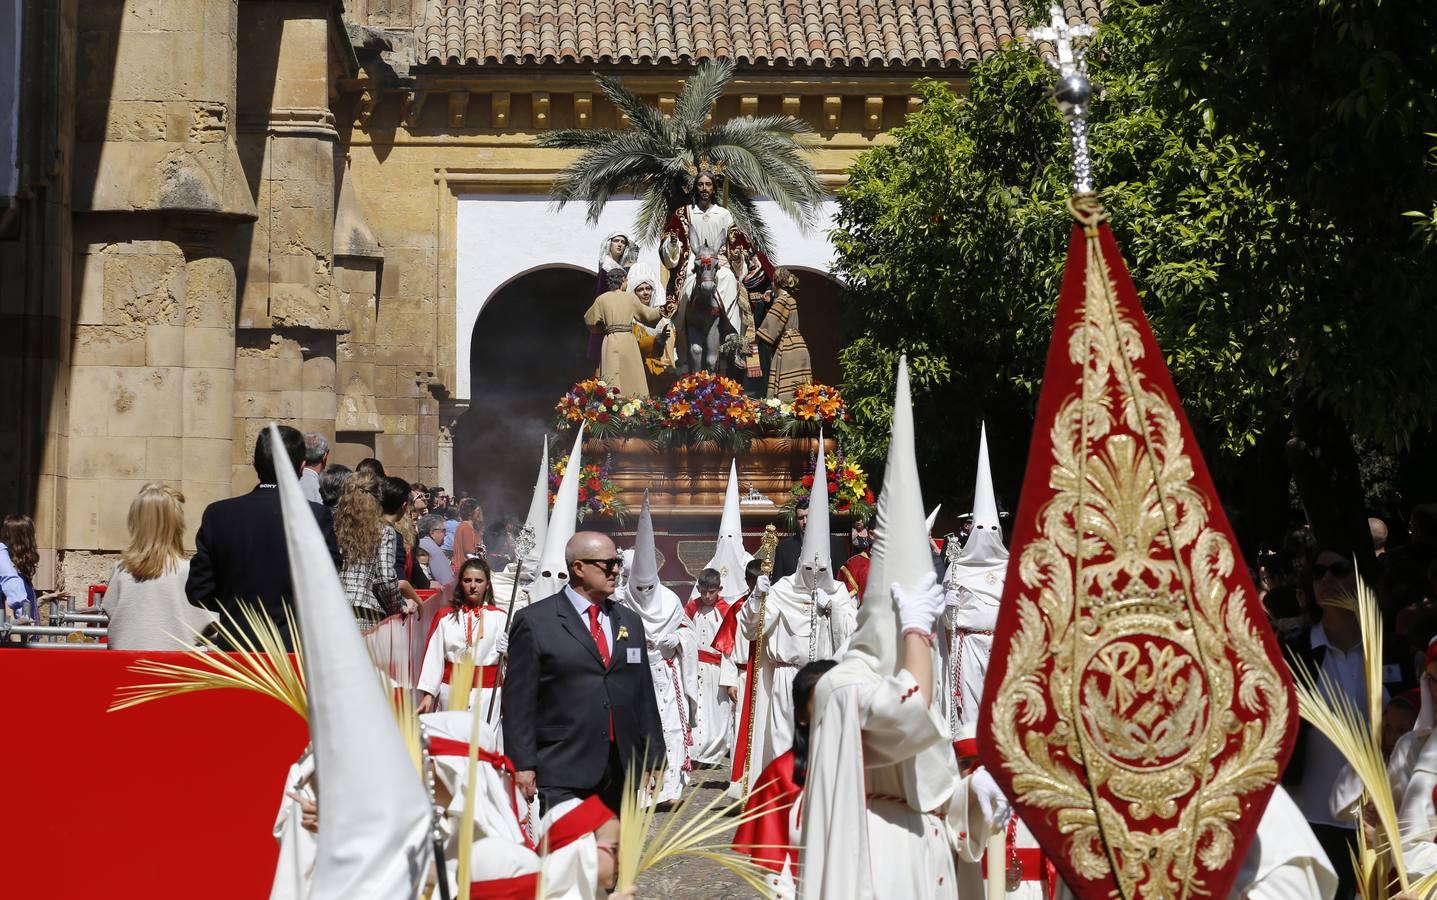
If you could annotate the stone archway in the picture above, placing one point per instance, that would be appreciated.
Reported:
(529, 345)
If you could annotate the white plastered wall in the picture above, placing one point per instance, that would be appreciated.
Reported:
(502, 236)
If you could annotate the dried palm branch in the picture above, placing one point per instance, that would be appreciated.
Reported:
(260, 663)
(704, 835)
(1425, 887)
(466, 820)
(1358, 738)
(461, 681)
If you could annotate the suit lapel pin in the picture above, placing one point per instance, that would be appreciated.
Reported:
(623, 633)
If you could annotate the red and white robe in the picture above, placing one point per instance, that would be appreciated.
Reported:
(476, 628)
(710, 710)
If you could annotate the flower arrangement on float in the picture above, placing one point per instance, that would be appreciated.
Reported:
(848, 492)
(594, 401)
(597, 494)
(700, 408)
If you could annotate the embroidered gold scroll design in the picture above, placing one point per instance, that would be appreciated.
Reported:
(1138, 703)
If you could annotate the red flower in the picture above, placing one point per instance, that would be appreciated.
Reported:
(603, 417)
(600, 392)
(807, 481)
(867, 495)
(595, 484)
(832, 487)
(583, 495)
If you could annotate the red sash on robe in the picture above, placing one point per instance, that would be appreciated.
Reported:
(488, 676)
(766, 838)
(520, 887)
(727, 637)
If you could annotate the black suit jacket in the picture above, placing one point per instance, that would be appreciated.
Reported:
(241, 556)
(558, 696)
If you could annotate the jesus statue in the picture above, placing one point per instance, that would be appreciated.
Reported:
(701, 248)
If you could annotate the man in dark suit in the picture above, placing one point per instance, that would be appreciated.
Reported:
(240, 551)
(578, 697)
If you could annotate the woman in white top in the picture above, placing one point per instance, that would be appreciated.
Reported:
(145, 598)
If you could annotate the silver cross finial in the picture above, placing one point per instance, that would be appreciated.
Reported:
(1073, 89)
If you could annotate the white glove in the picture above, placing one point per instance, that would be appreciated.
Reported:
(668, 644)
(991, 801)
(954, 598)
(762, 585)
(501, 643)
(824, 598)
(921, 607)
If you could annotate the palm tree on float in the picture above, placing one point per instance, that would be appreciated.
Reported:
(657, 158)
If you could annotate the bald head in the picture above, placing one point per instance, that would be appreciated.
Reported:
(593, 564)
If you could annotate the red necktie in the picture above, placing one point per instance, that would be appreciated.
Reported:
(598, 633)
(603, 645)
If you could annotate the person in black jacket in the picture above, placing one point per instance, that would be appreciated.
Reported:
(578, 699)
(240, 551)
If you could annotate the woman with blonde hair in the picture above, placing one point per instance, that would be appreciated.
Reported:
(369, 546)
(145, 598)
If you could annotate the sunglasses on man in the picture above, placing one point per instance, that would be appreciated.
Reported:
(608, 565)
(1339, 569)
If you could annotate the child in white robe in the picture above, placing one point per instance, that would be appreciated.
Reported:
(711, 710)
(474, 624)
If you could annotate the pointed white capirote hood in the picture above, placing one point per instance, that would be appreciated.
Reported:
(538, 518)
(815, 559)
(932, 517)
(983, 562)
(730, 558)
(552, 572)
(375, 839)
(644, 571)
(658, 606)
(900, 545)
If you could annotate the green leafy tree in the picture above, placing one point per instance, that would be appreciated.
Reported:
(655, 157)
(953, 237)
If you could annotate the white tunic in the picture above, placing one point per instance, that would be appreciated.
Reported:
(968, 645)
(711, 711)
(880, 771)
(297, 846)
(789, 620)
(668, 675)
(473, 628)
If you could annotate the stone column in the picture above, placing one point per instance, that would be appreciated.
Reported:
(159, 191)
(289, 312)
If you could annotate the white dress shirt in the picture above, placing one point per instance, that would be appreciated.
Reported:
(1322, 761)
(581, 606)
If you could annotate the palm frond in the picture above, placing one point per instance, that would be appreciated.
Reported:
(642, 117)
(466, 819)
(577, 138)
(260, 663)
(763, 156)
(701, 91)
(1358, 736)
(461, 681)
(701, 835)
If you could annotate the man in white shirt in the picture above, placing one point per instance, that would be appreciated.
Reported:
(1332, 646)
(316, 456)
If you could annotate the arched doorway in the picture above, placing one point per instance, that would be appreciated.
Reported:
(529, 345)
(820, 321)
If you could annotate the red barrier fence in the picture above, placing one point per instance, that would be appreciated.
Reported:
(174, 798)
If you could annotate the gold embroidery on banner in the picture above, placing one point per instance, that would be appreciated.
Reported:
(1134, 653)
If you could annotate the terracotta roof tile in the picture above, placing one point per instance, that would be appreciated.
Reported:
(800, 33)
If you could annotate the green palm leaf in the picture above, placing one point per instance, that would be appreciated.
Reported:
(763, 156)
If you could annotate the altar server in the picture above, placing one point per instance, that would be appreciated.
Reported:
(473, 625)
(710, 707)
